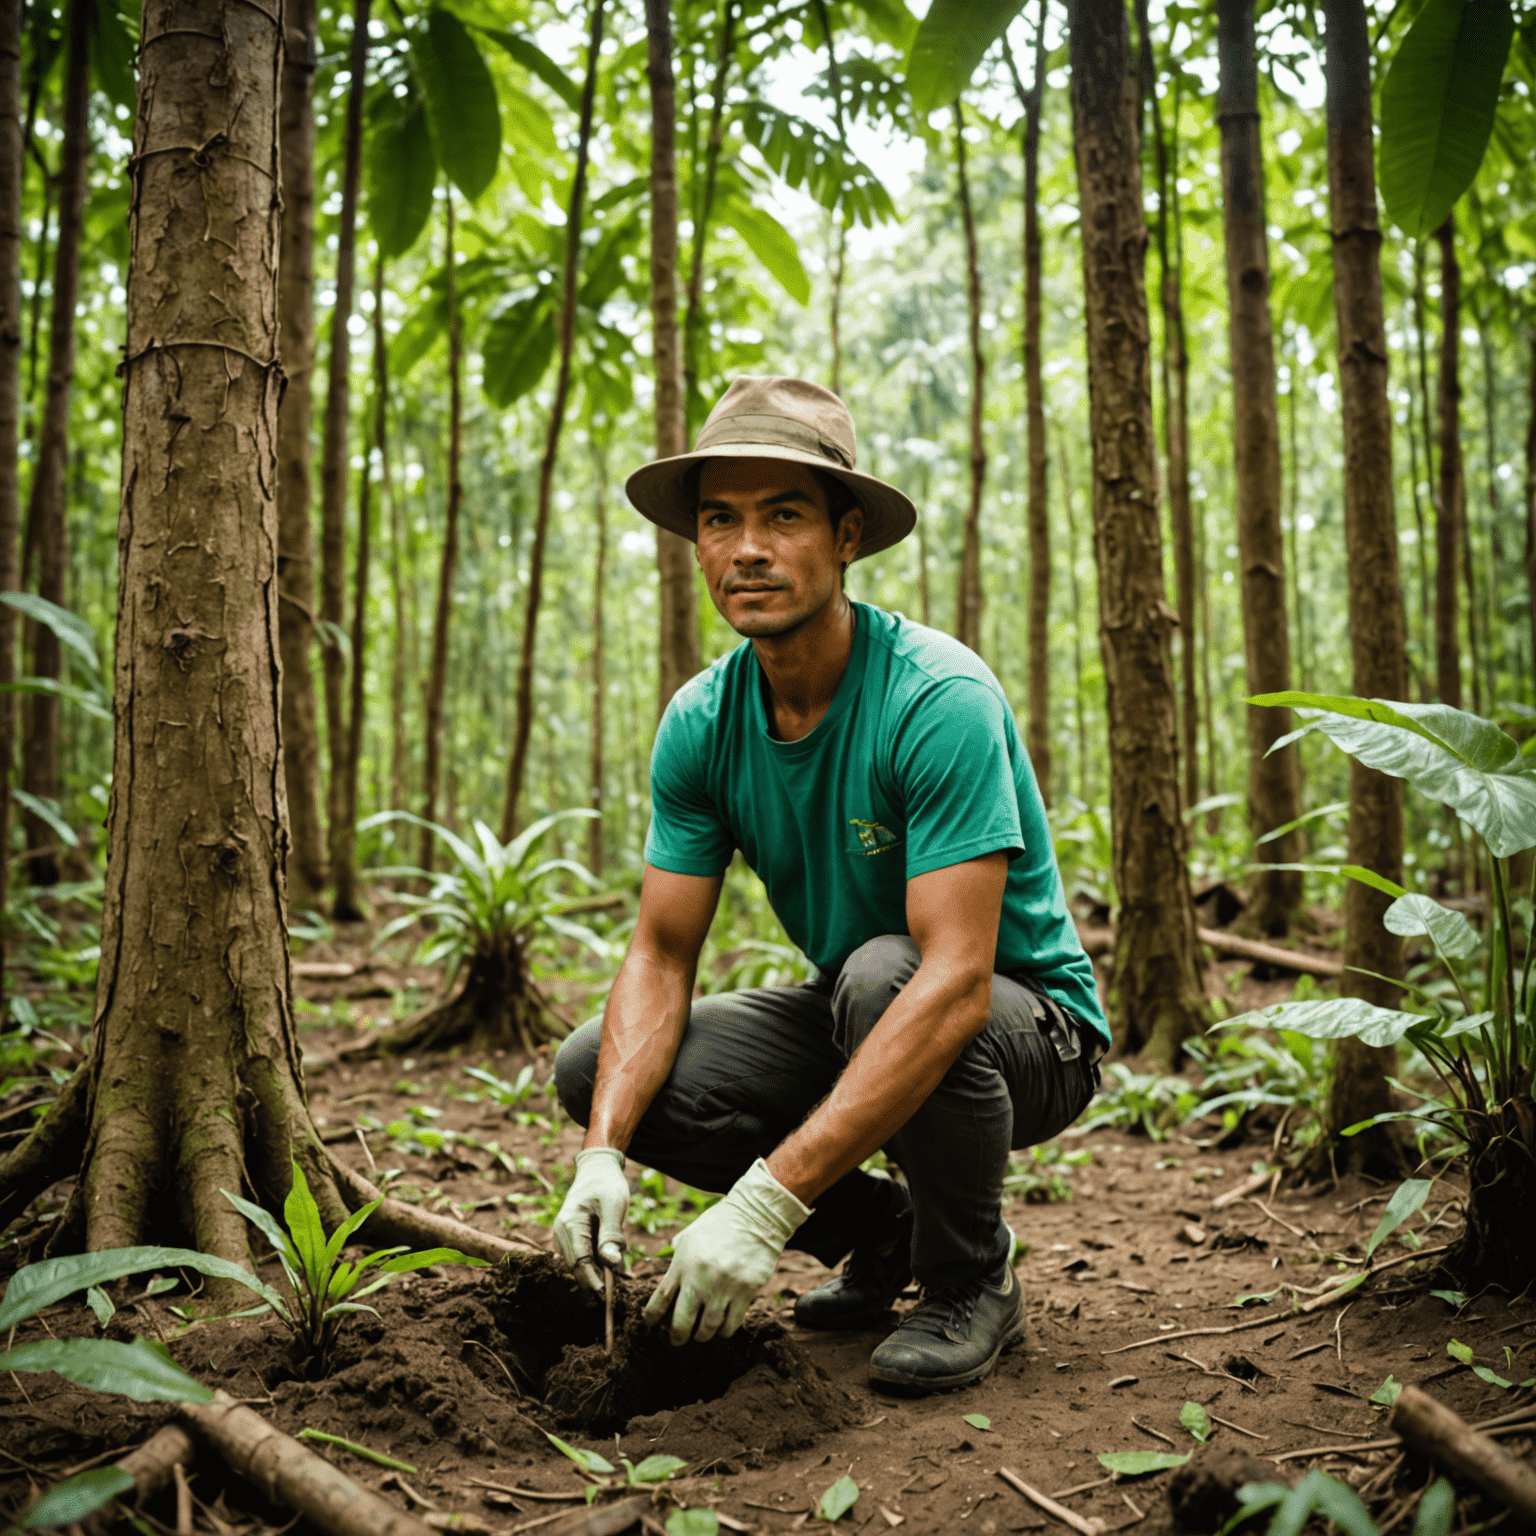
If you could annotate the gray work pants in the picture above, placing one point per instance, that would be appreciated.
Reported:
(752, 1065)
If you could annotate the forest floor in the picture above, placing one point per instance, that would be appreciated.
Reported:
(465, 1369)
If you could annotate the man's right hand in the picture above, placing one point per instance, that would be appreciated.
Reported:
(599, 1194)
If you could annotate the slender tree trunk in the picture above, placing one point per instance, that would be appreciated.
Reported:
(437, 668)
(1295, 512)
(1085, 784)
(678, 655)
(193, 1007)
(518, 767)
(1415, 666)
(1157, 998)
(840, 228)
(1448, 494)
(334, 453)
(1375, 840)
(1493, 603)
(11, 168)
(35, 315)
(47, 515)
(308, 867)
(1038, 513)
(968, 598)
(599, 683)
(1274, 782)
(1530, 491)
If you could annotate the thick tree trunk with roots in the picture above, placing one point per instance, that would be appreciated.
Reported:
(307, 871)
(1359, 1088)
(1498, 1246)
(1274, 781)
(1157, 998)
(194, 1082)
(968, 598)
(1448, 495)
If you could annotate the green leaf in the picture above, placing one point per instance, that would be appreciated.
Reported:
(519, 344)
(1491, 1377)
(1437, 1509)
(1452, 1298)
(401, 175)
(427, 1257)
(537, 62)
(1462, 761)
(47, 811)
(342, 1233)
(977, 1420)
(1437, 108)
(101, 1304)
(1140, 1463)
(1332, 1018)
(837, 1500)
(1387, 1393)
(1242, 1301)
(771, 243)
(588, 1461)
(1414, 915)
(462, 109)
(693, 1522)
(302, 1216)
(1328, 1497)
(656, 1469)
(891, 21)
(1459, 1351)
(69, 1502)
(1371, 878)
(1196, 1420)
(1408, 1197)
(73, 632)
(1301, 821)
(950, 42)
(320, 1437)
(138, 1370)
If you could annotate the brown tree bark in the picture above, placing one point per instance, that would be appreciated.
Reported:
(47, 521)
(1084, 782)
(308, 870)
(1274, 782)
(968, 598)
(1530, 493)
(437, 668)
(1037, 511)
(1448, 493)
(840, 228)
(1157, 998)
(523, 724)
(1375, 839)
(334, 454)
(678, 652)
(193, 1012)
(599, 682)
(11, 20)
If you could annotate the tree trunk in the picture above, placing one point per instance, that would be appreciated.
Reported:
(334, 454)
(599, 578)
(437, 670)
(1375, 840)
(1448, 493)
(1416, 657)
(678, 654)
(518, 767)
(840, 227)
(11, 17)
(47, 523)
(1038, 512)
(968, 586)
(193, 1016)
(1157, 999)
(1274, 782)
(1530, 495)
(1084, 784)
(308, 871)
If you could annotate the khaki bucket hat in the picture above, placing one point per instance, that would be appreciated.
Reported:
(774, 418)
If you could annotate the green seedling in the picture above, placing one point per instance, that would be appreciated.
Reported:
(646, 1474)
(693, 1522)
(1196, 1420)
(378, 1458)
(837, 1500)
(977, 1420)
(71, 1501)
(1387, 1393)
(1463, 1352)
(1315, 1494)
(1039, 1177)
(325, 1288)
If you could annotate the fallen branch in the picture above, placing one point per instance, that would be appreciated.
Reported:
(1249, 1186)
(1084, 1527)
(1100, 941)
(289, 1474)
(50, 1152)
(1521, 1422)
(601, 1519)
(324, 970)
(1429, 1426)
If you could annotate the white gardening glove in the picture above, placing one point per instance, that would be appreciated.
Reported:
(599, 1193)
(725, 1258)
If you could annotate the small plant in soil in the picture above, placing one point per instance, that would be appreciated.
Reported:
(486, 912)
(1480, 1041)
(1040, 1176)
(325, 1287)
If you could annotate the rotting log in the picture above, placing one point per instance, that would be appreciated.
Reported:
(1429, 1426)
(292, 1475)
(151, 1467)
(1101, 941)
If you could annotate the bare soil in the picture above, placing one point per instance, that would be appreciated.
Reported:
(464, 1370)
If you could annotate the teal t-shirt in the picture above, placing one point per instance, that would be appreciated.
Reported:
(916, 765)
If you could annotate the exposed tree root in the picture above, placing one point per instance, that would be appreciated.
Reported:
(1498, 1246)
(1433, 1429)
(49, 1153)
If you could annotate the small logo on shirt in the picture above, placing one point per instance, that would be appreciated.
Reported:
(873, 838)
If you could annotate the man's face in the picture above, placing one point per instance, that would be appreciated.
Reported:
(767, 546)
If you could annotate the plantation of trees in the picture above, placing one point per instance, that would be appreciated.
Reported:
(332, 655)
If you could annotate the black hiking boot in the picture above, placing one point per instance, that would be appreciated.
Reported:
(872, 1278)
(953, 1336)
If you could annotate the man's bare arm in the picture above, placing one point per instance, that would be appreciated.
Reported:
(952, 915)
(648, 1008)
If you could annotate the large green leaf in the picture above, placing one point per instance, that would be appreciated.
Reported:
(461, 102)
(890, 20)
(1413, 915)
(771, 243)
(519, 344)
(537, 62)
(1139, 1463)
(402, 173)
(1454, 757)
(139, 1370)
(72, 631)
(69, 1502)
(950, 42)
(301, 1214)
(1332, 1018)
(414, 339)
(1437, 108)
(1408, 1197)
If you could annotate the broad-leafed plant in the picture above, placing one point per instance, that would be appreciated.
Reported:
(1478, 1039)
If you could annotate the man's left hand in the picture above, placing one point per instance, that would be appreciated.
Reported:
(724, 1258)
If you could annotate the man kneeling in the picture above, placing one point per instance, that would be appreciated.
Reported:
(870, 772)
